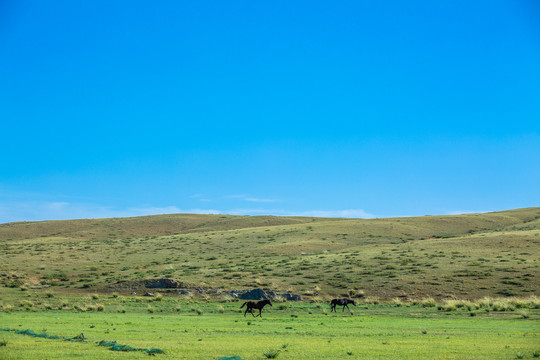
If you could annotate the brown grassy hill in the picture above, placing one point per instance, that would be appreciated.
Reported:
(470, 255)
(157, 225)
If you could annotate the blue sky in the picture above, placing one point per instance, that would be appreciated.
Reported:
(317, 108)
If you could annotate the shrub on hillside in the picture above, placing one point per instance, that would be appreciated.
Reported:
(428, 302)
(356, 293)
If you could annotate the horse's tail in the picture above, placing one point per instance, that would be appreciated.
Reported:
(244, 304)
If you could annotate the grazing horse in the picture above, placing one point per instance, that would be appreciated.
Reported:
(341, 302)
(250, 305)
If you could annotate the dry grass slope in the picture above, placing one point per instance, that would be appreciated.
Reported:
(464, 256)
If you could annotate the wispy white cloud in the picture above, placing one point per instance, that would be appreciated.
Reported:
(461, 212)
(50, 210)
(197, 196)
(200, 197)
(347, 213)
(38, 211)
(250, 199)
(58, 206)
(236, 196)
(61, 210)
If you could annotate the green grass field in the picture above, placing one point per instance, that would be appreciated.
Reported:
(193, 329)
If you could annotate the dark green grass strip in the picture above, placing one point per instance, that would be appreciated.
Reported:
(80, 338)
(119, 347)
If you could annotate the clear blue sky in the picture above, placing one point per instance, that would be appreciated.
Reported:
(329, 108)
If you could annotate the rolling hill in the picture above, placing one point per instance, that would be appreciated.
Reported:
(466, 256)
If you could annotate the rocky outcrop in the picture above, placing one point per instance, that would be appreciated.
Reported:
(171, 286)
(291, 297)
(255, 294)
(161, 284)
(261, 294)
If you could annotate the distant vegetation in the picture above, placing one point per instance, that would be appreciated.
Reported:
(395, 259)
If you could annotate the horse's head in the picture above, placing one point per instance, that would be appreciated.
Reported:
(269, 302)
(352, 302)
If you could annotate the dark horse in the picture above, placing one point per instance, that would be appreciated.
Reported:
(250, 305)
(341, 302)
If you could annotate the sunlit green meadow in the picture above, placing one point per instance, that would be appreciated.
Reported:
(210, 330)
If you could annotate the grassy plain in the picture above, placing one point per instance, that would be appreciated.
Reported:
(66, 277)
(195, 329)
(464, 256)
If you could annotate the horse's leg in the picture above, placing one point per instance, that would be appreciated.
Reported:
(245, 312)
